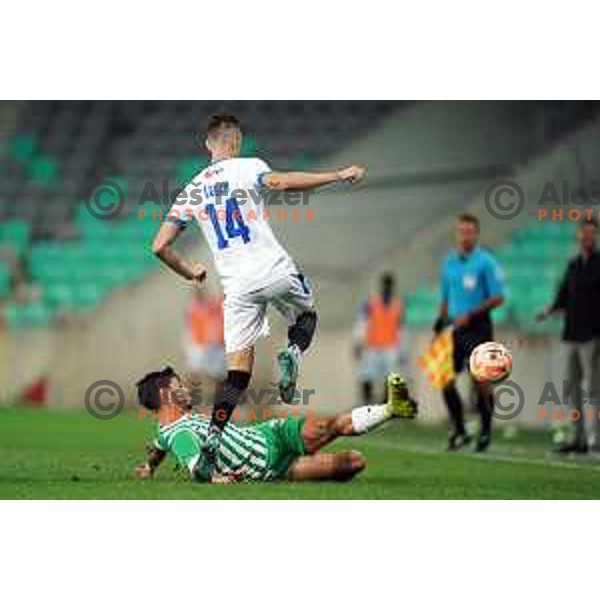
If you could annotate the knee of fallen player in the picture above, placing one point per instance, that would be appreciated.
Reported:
(348, 463)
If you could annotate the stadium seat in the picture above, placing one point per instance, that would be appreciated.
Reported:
(43, 171)
(16, 234)
(4, 281)
(27, 315)
(87, 297)
(422, 308)
(502, 314)
(187, 168)
(249, 146)
(22, 148)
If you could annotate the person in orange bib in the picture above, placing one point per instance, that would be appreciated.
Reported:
(205, 351)
(377, 337)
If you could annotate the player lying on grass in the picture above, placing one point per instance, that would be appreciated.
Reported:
(275, 449)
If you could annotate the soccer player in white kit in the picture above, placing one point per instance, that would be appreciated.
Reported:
(254, 269)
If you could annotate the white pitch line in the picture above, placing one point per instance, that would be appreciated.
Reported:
(491, 457)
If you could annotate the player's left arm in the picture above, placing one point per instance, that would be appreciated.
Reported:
(299, 180)
(493, 280)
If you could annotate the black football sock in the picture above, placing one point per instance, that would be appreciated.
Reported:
(485, 406)
(455, 409)
(367, 392)
(228, 396)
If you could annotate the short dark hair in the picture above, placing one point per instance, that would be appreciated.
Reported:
(222, 121)
(149, 387)
(468, 218)
(591, 221)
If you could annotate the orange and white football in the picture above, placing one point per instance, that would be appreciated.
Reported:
(490, 362)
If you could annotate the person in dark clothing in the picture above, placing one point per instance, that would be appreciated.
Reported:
(472, 286)
(578, 300)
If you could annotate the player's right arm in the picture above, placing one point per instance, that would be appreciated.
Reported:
(154, 459)
(162, 248)
(298, 180)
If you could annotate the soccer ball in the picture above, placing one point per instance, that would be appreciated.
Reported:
(490, 363)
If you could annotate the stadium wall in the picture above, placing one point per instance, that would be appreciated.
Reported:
(442, 137)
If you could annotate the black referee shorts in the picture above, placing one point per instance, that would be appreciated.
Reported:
(466, 339)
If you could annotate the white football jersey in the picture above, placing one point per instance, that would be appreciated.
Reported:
(226, 200)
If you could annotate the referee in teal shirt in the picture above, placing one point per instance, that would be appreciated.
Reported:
(472, 286)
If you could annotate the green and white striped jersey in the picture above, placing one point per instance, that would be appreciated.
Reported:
(244, 451)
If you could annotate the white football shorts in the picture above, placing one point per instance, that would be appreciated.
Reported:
(245, 314)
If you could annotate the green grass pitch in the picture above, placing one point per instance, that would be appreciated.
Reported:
(56, 454)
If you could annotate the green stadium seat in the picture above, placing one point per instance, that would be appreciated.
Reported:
(22, 148)
(16, 234)
(419, 316)
(542, 249)
(301, 162)
(524, 314)
(44, 171)
(4, 281)
(87, 297)
(133, 232)
(502, 314)
(186, 169)
(59, 296)
(51, 271)
(90, 225)
(422, 307)
(249, 146)
(110, 187)
(26, 315)
(557, 230)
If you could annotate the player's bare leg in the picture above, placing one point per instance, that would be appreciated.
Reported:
(239, 370)
(327, 466)
(317, 433)
(243, 360)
